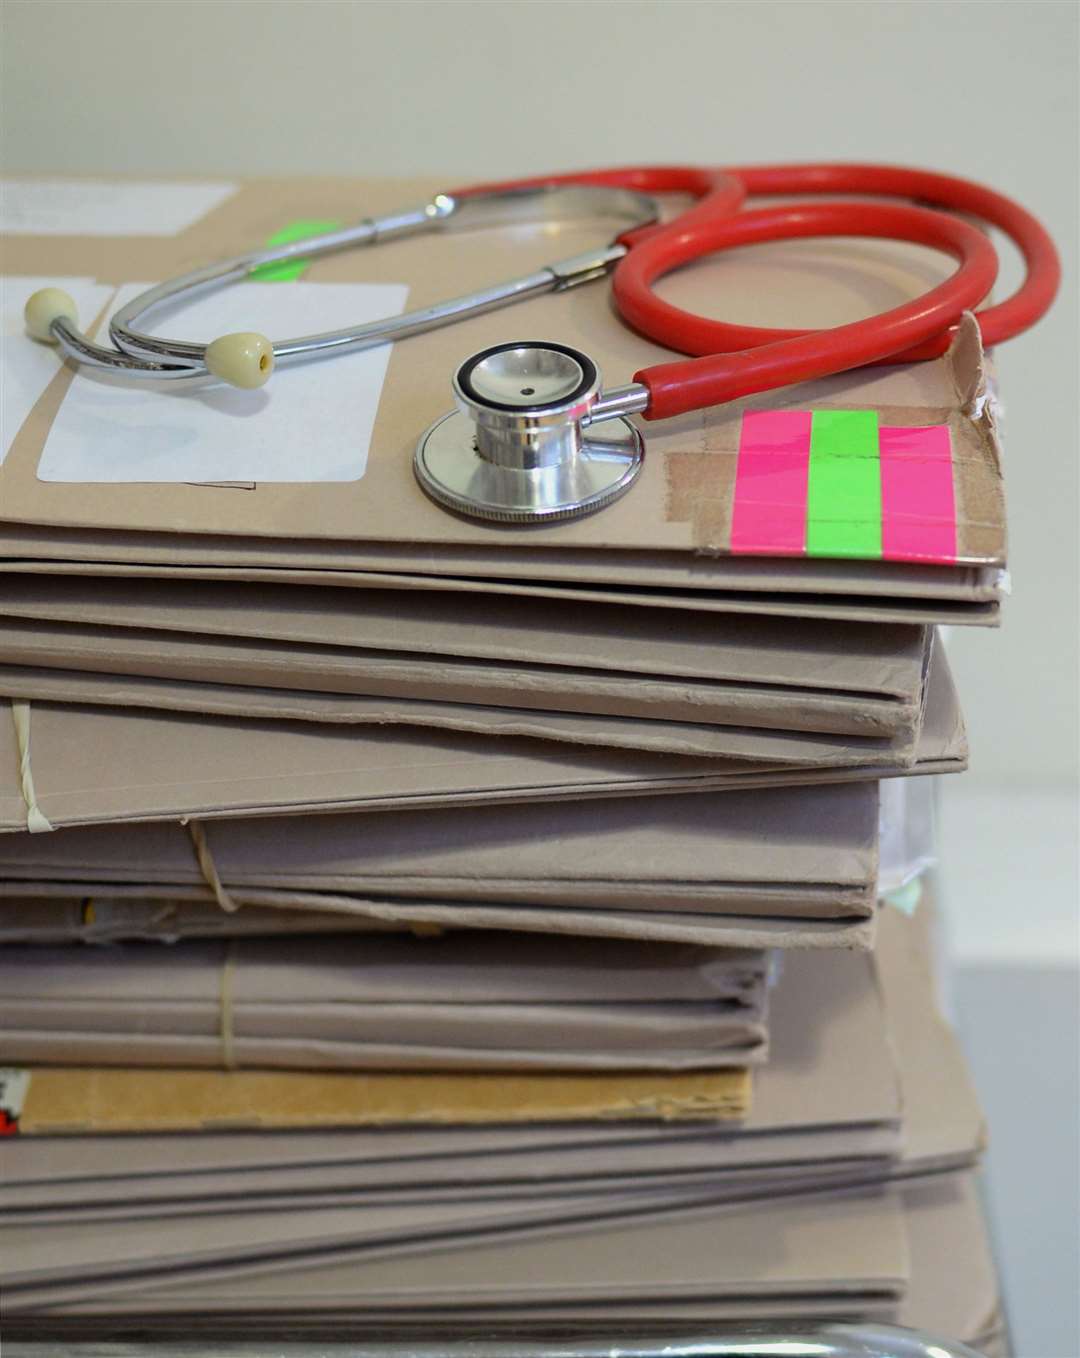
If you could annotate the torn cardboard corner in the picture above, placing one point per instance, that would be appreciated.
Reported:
(72, 1100)
(908, 511)
(385, 508)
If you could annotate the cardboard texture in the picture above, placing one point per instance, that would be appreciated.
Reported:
(74, 1099)
(169, 907)
(788, 721)
(81, 757)
(82, 761)
(760, 672)
(690, 454)
(463, 1002)
(743, 747)
(707, 854)
(49, 1267)
(856, 1250)
(953, 1288)
(941, 746)
(842, 657)
(971, 597)
(827, 1021)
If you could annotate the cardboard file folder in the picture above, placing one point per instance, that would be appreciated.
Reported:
(775, 674)
(772, 851)
(465, 1001)
(671, 532)
(81, 758)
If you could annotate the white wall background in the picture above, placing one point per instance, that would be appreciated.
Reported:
(484, 88)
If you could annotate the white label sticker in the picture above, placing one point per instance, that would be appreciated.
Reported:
(28, 366)
(312, 421)
(99, 207)
(14, 1085)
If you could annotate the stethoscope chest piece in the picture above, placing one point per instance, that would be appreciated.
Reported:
(519, 449)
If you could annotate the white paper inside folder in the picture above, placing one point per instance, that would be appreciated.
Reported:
(907, 845)
(312, 423)
(26, 369)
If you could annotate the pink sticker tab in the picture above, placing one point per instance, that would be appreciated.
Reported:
(769, 513)
(918, 502)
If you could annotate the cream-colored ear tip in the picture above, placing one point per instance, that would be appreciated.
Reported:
(243, 360)
(44, 307)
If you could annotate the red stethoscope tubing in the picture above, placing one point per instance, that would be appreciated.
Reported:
(737, 360)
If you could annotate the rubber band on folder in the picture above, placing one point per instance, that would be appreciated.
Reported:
(208, 867)
(36, 820)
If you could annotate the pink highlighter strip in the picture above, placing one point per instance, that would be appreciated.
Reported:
(918, 502)
(768, 517)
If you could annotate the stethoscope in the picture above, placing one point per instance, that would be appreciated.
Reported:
(522, 445)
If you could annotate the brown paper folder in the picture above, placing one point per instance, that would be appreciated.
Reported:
(942, 748)
(907, 990)
(776, 674)
(465, 1001)
(954, 597)
(673, 527)
(709, 854)
(75, 1099)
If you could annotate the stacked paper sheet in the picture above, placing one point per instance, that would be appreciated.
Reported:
(412, 922)
(405, 1004)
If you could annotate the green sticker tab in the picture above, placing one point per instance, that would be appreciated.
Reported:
(843, 499)
(288, 269)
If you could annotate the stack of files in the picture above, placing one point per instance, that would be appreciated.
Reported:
(355, 1002)
(703, 869)
(408, 921)
(834, 1194)
(196, 766)
(631, 678)
(167, 610)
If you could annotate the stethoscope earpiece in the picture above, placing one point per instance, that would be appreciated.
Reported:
(245, 359)
(43, 308)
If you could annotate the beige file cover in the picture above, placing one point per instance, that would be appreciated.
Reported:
(762, 724)
(830, 1083)
(707, 853)
(729, 929)
(863, 681)
(953, 1290)
(941, 746)
(845, 1078)
(458, 1002)
(682, 501)
(829, 657)
(942, 1207)
(81, 759)
(915, 596)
